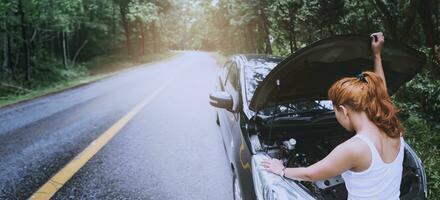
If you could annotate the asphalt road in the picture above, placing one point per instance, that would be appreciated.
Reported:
(172, 149)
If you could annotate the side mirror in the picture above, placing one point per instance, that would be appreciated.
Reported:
(221, 99)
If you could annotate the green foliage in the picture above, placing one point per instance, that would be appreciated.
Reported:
(145, 12)
(59, 29)
(54, 72)
(48, 73)
(426, 93)
(419, 103)
(425, 139)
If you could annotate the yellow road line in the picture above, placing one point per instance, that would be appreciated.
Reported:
(59, 179)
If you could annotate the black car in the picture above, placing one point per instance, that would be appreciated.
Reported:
(273, 107)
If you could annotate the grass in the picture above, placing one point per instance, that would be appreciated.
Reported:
(62, 79)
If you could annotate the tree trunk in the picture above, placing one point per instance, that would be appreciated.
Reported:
(268, 48)
(437, 53)
(9, 48)
(388, 18)
(425, 13)
(263, 29)
(251, 39)
(5, 50)
(113, 25)
(248, 38)
(141, 27)
(24, 35)
(123, 8)
(410, 18)
(291, 41)
(147, 38)
(63, 46)
(77, 52)
(436, 11)
(293, 46)
(153, 29)
(7, 63)
(66, 41)
(431, 36)
(52, 47)
(259, 35)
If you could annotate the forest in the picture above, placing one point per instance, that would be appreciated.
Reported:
(48, 42)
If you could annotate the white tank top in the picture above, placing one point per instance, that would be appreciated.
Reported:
(380, 181)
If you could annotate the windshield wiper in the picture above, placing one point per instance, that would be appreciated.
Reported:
(299, 114)
(306, 112)
(321, 115)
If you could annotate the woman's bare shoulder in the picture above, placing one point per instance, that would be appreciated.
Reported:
(355, 146)
(358, 151)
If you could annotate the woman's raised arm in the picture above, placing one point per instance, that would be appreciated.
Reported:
(377, 40)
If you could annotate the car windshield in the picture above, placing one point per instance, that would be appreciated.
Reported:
(257, 69)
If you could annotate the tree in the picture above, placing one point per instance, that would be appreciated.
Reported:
(124, 11)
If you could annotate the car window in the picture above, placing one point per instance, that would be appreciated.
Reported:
(233, 76)
(255, 71)
(225, 72)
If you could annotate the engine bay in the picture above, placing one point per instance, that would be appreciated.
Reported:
(303, 153)
(304, 138)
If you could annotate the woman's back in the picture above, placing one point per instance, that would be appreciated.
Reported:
(382, 178)
(387, 147)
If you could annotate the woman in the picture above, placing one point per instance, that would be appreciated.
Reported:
(370, 162)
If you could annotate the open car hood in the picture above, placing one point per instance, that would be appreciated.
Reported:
(308, 73)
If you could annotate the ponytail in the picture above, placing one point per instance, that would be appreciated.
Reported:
(367, 93)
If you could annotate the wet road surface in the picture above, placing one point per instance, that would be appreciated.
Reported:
(172, 149)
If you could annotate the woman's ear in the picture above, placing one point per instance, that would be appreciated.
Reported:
(344, 110)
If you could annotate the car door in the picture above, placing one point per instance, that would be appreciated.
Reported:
(230, 117)
(222, 113)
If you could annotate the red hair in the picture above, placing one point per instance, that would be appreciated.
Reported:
(368, 93)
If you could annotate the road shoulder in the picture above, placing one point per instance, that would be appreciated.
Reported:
(58, 88)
